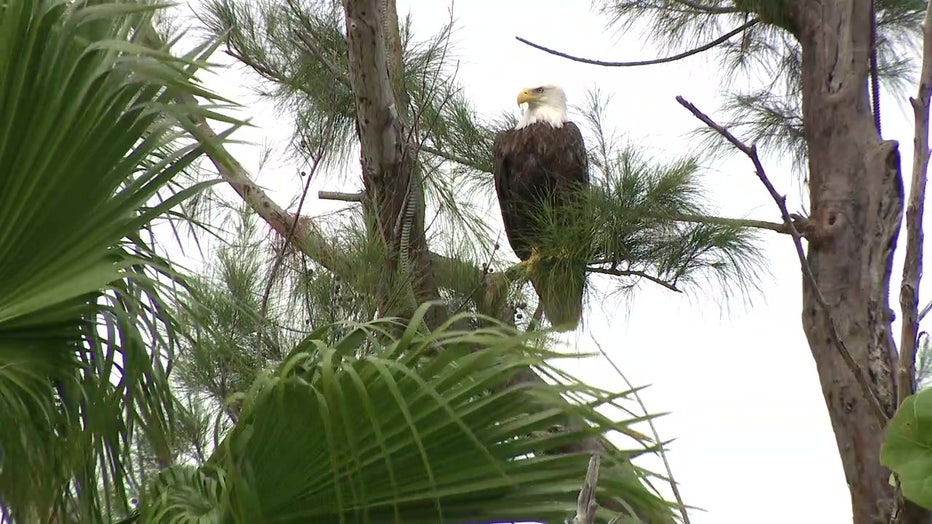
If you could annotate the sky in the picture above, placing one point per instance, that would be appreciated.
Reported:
(752, 441)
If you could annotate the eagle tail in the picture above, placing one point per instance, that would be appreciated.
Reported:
(560, 288)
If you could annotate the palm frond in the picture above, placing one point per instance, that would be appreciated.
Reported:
(418, 428)
(85, 123)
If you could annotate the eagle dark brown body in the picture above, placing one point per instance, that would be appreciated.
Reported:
(536, 164)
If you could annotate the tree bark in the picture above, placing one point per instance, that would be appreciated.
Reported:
(856, 198)
(388, 164)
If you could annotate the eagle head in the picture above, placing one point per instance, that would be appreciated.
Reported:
(545, 103)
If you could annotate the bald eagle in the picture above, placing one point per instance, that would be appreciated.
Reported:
(542, 164)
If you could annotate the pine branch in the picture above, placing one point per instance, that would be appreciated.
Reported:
(306, 237)
(655, 61)
(314, 50)
(454, 158)
(751, 152)
(732, 222)
(633, 273)
(912, 265)
(710, 9)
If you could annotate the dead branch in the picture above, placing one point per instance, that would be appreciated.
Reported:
(586, 503)
(691, 52)
(751, 152)
(337, 195)
(912, 265)
(925, 311)
(710, 9)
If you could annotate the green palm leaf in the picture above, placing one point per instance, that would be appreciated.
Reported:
(85, 124)
(418, 428)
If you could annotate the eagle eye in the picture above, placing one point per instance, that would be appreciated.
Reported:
(539, 90)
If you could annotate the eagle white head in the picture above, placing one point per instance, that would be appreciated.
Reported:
(544, 104)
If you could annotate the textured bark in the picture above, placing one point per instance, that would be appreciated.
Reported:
(388, 164)
(856, 198)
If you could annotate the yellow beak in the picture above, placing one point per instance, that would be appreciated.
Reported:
(526, 96)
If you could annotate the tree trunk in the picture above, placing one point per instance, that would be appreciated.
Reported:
(856, 200)
(388, 163)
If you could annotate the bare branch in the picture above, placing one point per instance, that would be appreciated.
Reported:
(632, 273)
(305, 236)
(337, 195)
(734, 222)
(586, 503)
(751, 152)
(925, 311)
(655, 61)
(711, 9)
(318, 157)
(453, 158)
(912, 265)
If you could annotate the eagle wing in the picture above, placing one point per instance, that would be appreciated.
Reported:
(534, 163)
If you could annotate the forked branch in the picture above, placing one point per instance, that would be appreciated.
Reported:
(912, 265)
(780, 200)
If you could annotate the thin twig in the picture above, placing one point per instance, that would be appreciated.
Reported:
(338, 195)
(633, 273)
(653, 429)
(538, 315)
(711, 9)
(673, 58)
(912, 265)
(751, 152)
(925, 311)
(484, 278)
(264, 308)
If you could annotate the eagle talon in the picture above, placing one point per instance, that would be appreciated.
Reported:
(529, 264)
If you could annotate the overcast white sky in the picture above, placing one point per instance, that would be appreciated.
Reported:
(753, 442)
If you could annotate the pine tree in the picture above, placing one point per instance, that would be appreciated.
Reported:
(823, 65)
(428, 156)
